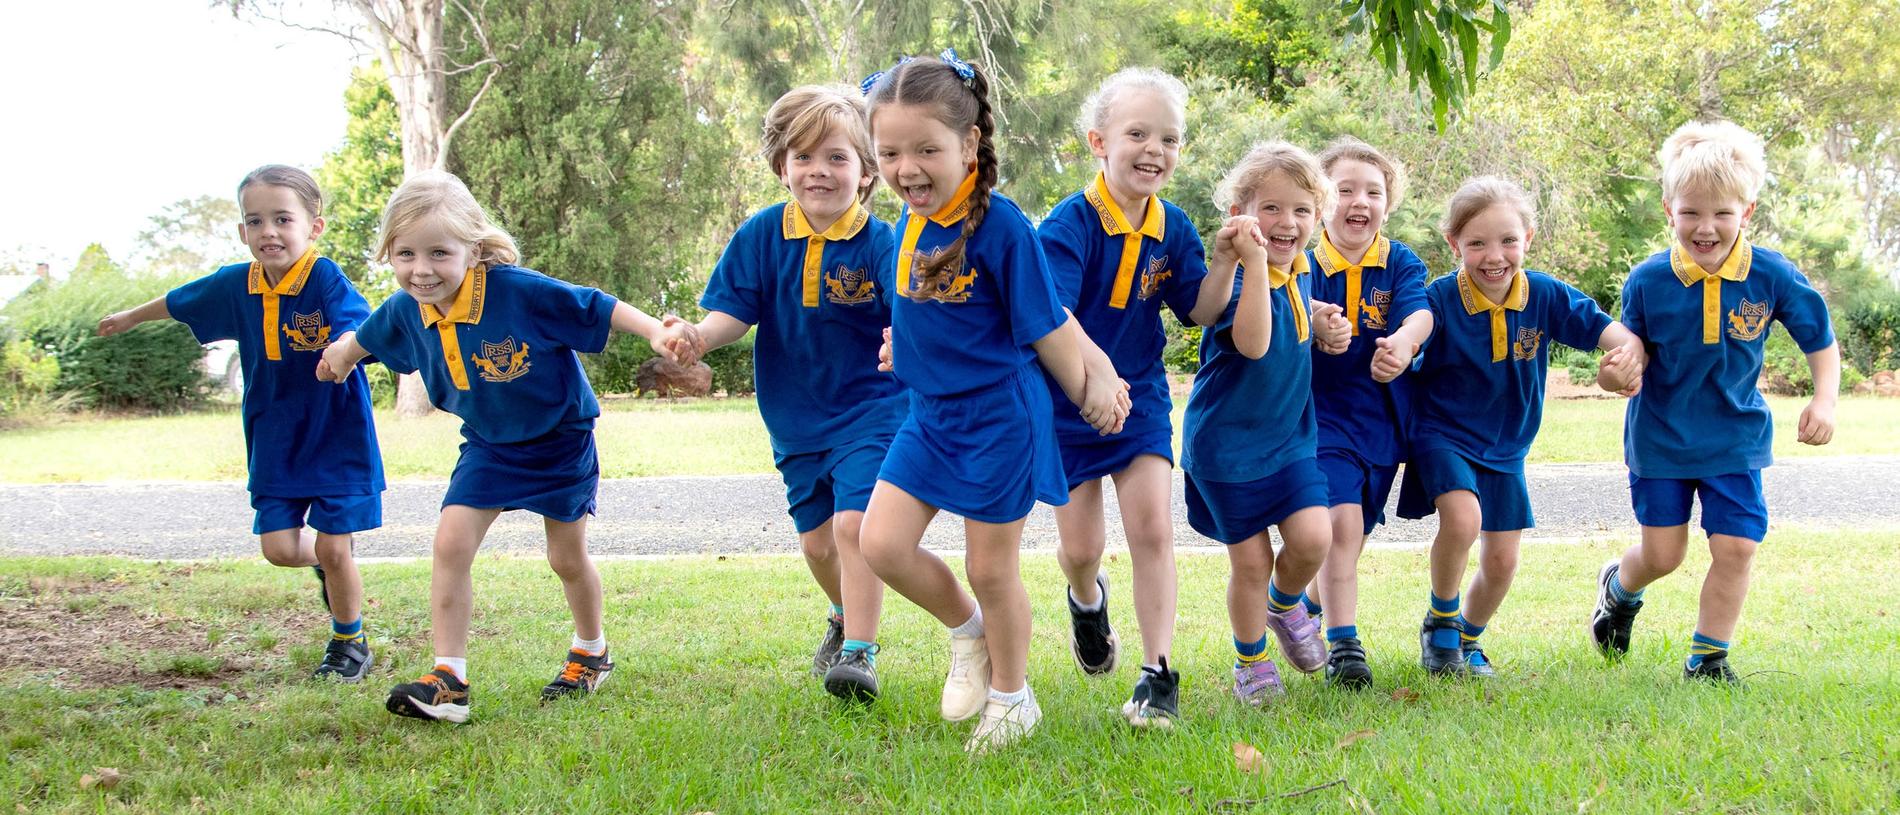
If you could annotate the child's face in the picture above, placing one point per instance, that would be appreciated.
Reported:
(1139, 144)
(430, 262)
(276, 226)
(1360, 209)
(1287, 213)
(1707, 224)
(919, 156)
(1491, 247)
(825, 179)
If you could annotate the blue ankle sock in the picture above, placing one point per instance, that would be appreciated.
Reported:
(854, 646)
(1445, 609)
(1701, 646)
(1340, 632)
(1280, 602)
(1469, 632)
(1248, 653)
(1620, 595)
(837, 610)
(346, 631)
(1312, 605)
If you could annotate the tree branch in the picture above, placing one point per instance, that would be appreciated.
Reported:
(442, 154)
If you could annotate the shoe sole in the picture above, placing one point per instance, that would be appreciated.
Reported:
(1157, 721)
(369, 659)
(850, 689)
(1108, 666)
(417, 709)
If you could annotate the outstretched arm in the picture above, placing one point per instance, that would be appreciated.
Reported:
(1060, 352)
(122, 321)
(672, 337)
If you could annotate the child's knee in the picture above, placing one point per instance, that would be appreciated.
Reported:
(818, 544)
(1499, 561)
(1663, 559)
(334, 551)
(1459, 523)
(1729, 550)
(281, 551)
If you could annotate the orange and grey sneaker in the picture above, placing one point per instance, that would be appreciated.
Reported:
(436, 696)
(582, 673)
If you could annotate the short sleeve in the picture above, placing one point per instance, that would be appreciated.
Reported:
(1631, 309)
(204, 305)
(1429, 351)
(884, 262)
(735, 286)
(1189, 270)
(1063, 251)
(1223, 328)
(384, 337)
(1803, 312)
(1578, 321)
(1022, 275)
(1408, 289)
(345, 306)
(579, 317)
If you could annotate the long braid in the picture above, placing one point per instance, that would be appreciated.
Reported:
(910, 83)
(986, 163)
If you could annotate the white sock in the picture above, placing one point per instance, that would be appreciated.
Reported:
(1152, 668)
(1100, 598)
(1015, 697)
(972, 627)
(594, 646)
(459, 665)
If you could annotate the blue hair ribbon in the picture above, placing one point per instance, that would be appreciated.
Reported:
(963, 69)
(872, 80)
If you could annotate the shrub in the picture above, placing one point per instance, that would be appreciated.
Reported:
(613, 370)
(1869, 329)
(1183, 352)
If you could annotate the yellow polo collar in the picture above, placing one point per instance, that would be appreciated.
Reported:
(1153, 225)
(1475, 303)
(290, 285)
(1734, 267)
(1332, 262)
(796, 226)
(466, 308)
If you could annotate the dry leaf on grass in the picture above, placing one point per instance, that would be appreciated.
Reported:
(1248, 759)
(1355, 737)
(1404, 695)
(104, 778)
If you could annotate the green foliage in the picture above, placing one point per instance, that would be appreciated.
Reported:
(1436, 41)
(357, 179)
(192, 236)
(732, 366)
(1265, 46)
(1183, 352)
(1784, 367)
(1580, 365)
(615, 370)
(1869, 329)
(27, 376)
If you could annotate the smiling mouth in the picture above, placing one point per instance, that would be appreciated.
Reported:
(1495, 274)
(1705, 247)
(918, 195)
(1358, 221)
(1149, 171)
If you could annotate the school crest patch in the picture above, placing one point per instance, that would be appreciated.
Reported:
(1156, 273)
(849, 287)
(1748, 320)
(1372, 312)
(1525, 348)
(307, 332)
(503, 361)
(943, 285)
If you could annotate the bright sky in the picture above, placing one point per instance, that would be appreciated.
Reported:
(115, 109)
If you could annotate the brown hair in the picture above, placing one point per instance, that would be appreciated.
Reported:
(805, 115)
(1260, 163)
(290, 178)
(959, 105)
(1351, 148)
(1480, 194)
(442, 196)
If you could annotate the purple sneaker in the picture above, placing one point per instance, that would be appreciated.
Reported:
(1299, 638)
(1257, 684)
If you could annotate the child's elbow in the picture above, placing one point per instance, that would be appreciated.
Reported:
(1252, 349)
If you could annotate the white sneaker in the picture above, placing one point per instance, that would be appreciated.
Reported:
(1003, 724)
(968, 685)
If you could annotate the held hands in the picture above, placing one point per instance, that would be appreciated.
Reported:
(678, 341)
(884, 360)
(336, 364)
(1621, 369)
(1240, 238)
(117, 322)
(1331, 332)
(1391, 359)
(1105, 403)
(1817, 421)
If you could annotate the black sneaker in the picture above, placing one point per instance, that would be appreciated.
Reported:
(1610, 622)
(1439, 661)
(345, 660)
(1346, 665)
(1091, 638)
(1476, 663)
(437, 696)
(853, 676)
(828, 647)
(1156, 701)
(323, 587)
(1714, 668)
(581, 674)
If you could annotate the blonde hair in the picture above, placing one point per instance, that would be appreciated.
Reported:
(1480, 194)
(297, 181)
(1351, 148)
(805, 115)
(1260, 163)
(443, 197)
(1717, 157)
(1094, 115)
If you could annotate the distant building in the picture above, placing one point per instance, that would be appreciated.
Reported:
(14, 285)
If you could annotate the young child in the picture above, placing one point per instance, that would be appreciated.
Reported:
(1479, 401)
(311, 448)
(814, 275)
(979, 310)
(1118, 252)
(496, 345)
(1359, 396)
(1699, 428)
(1249, 444)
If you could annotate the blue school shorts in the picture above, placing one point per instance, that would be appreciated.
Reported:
(824, 483)
(988, 455)
(1732, 504)
(1232, 512)
(1353, 480)
(328, 514)
(555, 475)
(1085, 461)
(1504, 499)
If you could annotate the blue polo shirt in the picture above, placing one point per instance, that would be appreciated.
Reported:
(1115, 276)
(503, 354)
(1699, 413)
(1481, 378)
(821, 303)
(970, 328)
(1249, 418)
(1355, 412)
(303, 437)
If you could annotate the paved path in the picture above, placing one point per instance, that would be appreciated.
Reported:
(746, 514)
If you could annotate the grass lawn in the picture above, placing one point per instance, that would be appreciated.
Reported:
(716, 437)
(185, 679)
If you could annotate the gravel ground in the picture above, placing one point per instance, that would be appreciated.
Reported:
(746, 514)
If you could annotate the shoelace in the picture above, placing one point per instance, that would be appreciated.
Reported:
(571, 674)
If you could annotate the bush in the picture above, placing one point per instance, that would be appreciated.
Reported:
(732, 366)
(613, 370)
(1869, 329)
(27, 377)
(1183, 352)
(1784, 367)
(1579, 364)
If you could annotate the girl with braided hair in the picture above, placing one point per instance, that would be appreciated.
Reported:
(978, 310)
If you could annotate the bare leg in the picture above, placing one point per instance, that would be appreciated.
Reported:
(580, 581)
(821, 557)
(458, 534)
(1144, 492)
(891, 539)
(996, 578)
